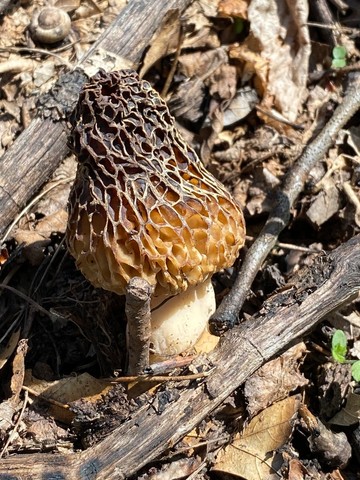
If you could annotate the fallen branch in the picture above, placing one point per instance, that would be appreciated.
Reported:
(330, 282)
(227, 315)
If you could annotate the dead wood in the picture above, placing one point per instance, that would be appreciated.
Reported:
(331, 281)
(227, 315)
(39, 149)
(138, 314)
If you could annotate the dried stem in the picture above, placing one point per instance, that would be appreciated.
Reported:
(138, 314)
(228, 312)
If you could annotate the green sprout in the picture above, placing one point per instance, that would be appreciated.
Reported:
(339, 57)
(339, 350)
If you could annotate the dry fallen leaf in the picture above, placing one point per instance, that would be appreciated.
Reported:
(325, 204)
(277, 51)
(69, 389)
(350, 414)
(253, 64)
(240, 106)
(250, 454)
(206, 343)
(198, 19)
(61, 392)
(233, 8)
(35, 241)
(176, 469)
(281, 28)
(275, 380)
(297, 471)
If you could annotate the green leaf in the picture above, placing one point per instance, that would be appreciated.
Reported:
(355, 371)
(339, 52)
(338, 63)
(339, 346)
(339, 57)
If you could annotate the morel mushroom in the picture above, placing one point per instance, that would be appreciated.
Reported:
(144, 205)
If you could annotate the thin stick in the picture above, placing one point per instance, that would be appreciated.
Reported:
(41, 51)
(227, 314)
(44, 398)
(138, 314)
(289, 246)
(31, 302)
(12, 435)
(160, 378)
(174, 64)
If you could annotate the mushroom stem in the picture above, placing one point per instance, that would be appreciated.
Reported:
(177, 323)
(138, 314)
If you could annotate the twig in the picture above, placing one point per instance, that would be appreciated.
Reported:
(165, 366)
(227, 314)
(322, 13)
(289, 246)
(52, 401)
(279, 118)
(138, 314)
(29, 300)
(32, 203)
(40, 51)
(160, 378)
(174, 64)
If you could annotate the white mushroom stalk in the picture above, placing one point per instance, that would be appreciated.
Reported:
(179, 322)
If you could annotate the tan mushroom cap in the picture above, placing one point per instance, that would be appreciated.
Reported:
(142, 203)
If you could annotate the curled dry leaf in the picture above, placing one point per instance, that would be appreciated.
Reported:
(297, 471)
(67, 390)
(187, 103)
(18, 368)
(254, 66)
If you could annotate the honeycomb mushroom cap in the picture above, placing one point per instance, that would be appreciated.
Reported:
(142, 203)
